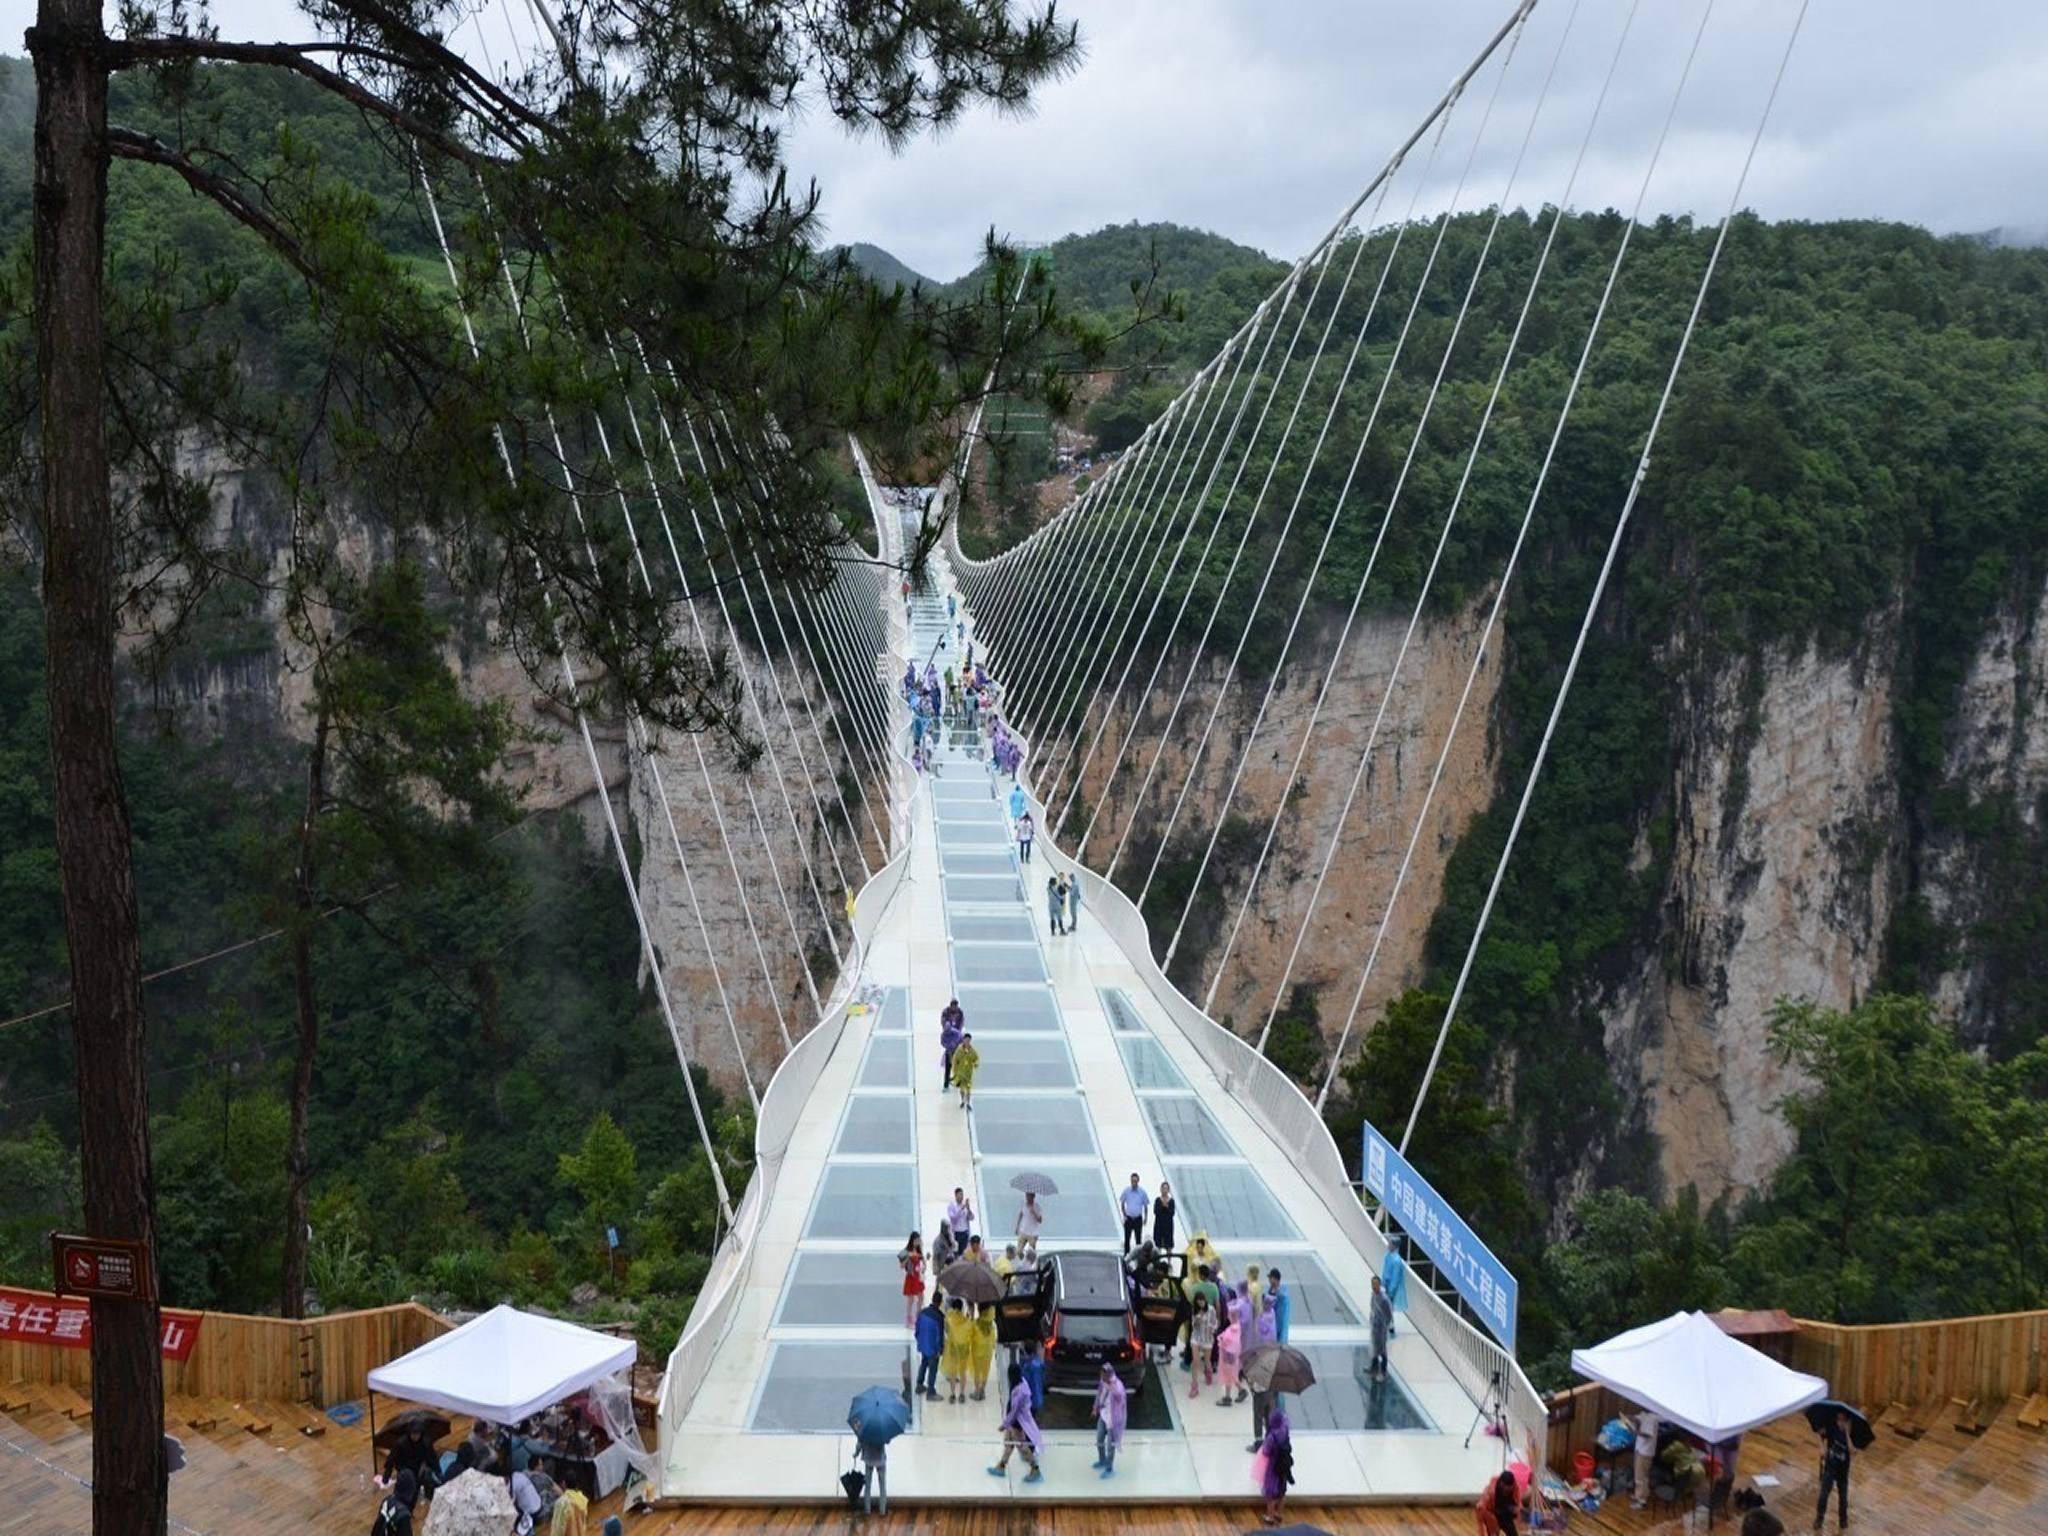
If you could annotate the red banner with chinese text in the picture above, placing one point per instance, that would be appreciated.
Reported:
(36, 1317)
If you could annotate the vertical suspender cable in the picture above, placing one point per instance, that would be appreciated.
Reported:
(1606, 569)
(647, 945)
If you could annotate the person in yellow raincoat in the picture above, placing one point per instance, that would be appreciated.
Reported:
(1201, 1251)
(966, 1059)
(959, 1345)
(982, 1350)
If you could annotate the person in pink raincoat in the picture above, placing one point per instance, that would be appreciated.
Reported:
(1227, 1345)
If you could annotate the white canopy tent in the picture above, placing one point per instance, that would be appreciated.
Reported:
(504, 1366)
(1688, 1371)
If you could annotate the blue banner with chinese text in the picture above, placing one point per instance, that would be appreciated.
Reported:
(1441, 1233)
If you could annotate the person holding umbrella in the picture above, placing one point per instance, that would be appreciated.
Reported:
(1270, 1370)
(876, 1417)
(1111, 1413)
(1839, 1426)
(1031, 1215)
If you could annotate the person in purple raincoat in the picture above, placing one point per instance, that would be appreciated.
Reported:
(1020, 1430)
(1278, 1447)
(1111, 1412)
(951, 1033)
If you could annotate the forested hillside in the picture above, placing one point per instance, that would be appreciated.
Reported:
(1852, 479)
(1854, 482)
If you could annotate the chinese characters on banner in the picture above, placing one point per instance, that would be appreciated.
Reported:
(1441, 1233)
(34, 1317)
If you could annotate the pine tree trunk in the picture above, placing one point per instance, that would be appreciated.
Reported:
(298, 1169)
(94, 857)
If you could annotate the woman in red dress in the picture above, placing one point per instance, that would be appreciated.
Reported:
(912, 1260)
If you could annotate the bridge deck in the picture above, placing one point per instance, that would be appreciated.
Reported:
(1084, 1078)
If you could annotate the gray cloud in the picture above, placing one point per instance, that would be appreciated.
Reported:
(1261, 119)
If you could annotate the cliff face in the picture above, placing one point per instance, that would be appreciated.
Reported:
(1788, 839)
(1784, 860)
(778, 871)
(1374, 833)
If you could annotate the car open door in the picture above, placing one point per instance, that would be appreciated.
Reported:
(1020, 1314)
(1162, 1308)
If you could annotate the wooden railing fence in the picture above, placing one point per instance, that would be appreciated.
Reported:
(1988, 1359)
(321, 1361)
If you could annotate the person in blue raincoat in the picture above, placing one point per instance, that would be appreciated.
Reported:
(1017, 801)
(1280, 1303)
(931, 1343)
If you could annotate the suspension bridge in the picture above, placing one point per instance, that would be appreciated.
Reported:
(900, 885)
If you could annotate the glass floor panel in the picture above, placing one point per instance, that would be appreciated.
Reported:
(1123, 1016)
(894, 1017)
(1185, 1128)
(887, 1064)
(1032, 1125)
(1024, 1061)
(807, 1386)
(991, 927)
(946, 793)
(1147, 1062)
(958, 862)
(876, 1125)
(842, 1290)
(980, 834)
(865, 1200)
(964, 817)
(1080, 1212)
(1318, 1303)
(972, 888)
(1229, 1202)
(1009, 1008)
(1345, 1398)
(997, 962)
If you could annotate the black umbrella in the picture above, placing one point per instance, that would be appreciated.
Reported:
(972, 1280)
(1276, 1368)
(1821, 1414)
(432, 1420)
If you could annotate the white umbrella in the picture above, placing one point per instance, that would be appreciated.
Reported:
(475, 1504)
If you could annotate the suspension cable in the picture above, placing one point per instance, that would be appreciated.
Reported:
(571, 687)
(1606, 568)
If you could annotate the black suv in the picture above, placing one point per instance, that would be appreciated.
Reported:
(1085, 1308)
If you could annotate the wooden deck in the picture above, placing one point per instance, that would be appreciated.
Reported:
(250, 1472)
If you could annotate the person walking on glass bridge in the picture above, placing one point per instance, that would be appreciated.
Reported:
(1380, 1315)
(965, 1059)
(1017, 802)
(1020, 1431)
(1026, 831)
(952, 1030)
(1135, 1204)
(1111, 1412)
(1073, 901)
(1055, 903)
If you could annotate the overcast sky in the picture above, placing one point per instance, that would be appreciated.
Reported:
(1262, 119)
